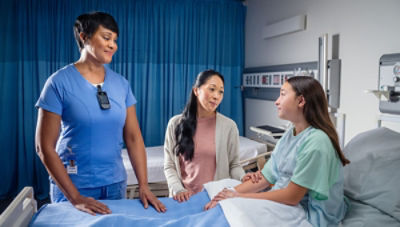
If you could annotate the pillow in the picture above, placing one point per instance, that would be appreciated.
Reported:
(373, 176)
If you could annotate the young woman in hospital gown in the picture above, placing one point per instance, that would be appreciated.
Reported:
(81, 130)
(305, 169)
(201, 145)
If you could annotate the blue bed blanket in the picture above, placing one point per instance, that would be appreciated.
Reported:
(131, 213)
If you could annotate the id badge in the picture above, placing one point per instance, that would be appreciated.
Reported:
(72, 167)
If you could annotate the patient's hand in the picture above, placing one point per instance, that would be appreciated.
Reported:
(210, 205)
(224, 194)
(146, 196)
(183, 196)
(255, 177)
(90, 205)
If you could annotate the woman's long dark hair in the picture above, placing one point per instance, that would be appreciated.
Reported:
(316, 109)
(186, 128)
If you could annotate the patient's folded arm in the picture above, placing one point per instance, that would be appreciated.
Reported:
(249, 186)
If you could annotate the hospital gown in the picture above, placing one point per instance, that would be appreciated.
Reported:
(310, 160)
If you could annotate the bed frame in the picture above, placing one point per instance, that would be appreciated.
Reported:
(256, 163)
(21, 209)
(160, 189)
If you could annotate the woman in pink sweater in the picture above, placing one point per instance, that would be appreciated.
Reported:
(201, 145)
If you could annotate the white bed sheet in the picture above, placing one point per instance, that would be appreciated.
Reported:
(247, 212)
(249, 148)
(155, 159)
(155, 165)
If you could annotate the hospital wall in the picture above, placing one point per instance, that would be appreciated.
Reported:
(368, 29)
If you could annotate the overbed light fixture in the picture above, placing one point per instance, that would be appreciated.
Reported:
(290, 25)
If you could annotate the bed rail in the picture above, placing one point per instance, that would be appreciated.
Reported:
(21, 209)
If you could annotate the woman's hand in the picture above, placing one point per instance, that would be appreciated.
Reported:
(255, 177)
(224, 194)
(210, 205)
(146, 196)
(137, 155)
(183, 196)
(90, 205)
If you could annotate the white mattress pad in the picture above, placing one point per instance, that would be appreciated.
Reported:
(155, 159)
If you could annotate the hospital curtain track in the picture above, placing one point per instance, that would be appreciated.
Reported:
(162, 46)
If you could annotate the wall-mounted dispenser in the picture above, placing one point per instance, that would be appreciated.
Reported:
(389, 83)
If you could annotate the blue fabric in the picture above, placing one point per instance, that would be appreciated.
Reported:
(287, 165)
(132, 213)
(163, 45)
(107, 192)
(90, 137)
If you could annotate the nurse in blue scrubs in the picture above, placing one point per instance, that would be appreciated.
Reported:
(86, 112)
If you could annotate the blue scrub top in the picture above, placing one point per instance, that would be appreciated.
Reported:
(90, 136)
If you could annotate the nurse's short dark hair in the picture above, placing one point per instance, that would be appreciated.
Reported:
(88, 23)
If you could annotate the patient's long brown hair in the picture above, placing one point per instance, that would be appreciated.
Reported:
(316, 109)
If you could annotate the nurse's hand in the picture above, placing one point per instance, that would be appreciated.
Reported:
(90, 205)
(255, 177)
(183, 196)
(146, 196)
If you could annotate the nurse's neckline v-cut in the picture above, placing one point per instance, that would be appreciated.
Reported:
(89, 83)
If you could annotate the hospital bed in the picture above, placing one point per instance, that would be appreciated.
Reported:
(20, 210)
(250, 151)
(371, 185)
